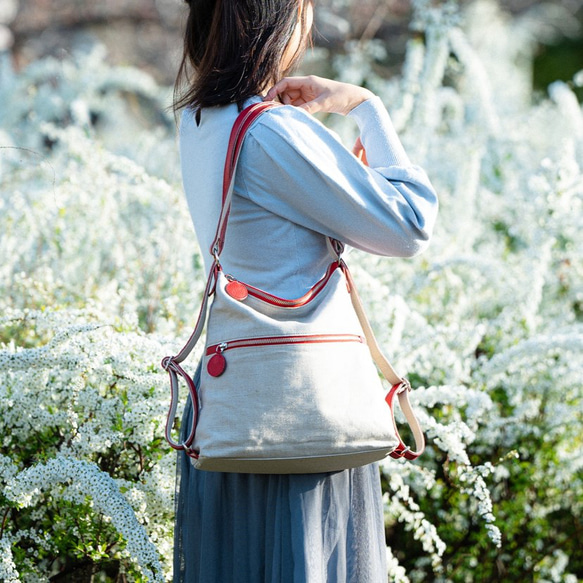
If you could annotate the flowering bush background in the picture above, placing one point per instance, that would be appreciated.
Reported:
(100, 276)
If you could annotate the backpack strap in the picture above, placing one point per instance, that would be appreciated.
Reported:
(172, 363)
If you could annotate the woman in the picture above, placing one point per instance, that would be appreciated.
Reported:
(295, 185)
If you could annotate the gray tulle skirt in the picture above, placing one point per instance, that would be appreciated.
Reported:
(300, 528)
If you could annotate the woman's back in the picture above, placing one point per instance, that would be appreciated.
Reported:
(295, 185)
(261, 248)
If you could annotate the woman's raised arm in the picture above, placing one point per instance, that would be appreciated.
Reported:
(316, 94)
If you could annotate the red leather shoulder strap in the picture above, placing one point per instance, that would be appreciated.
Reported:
(242, 124)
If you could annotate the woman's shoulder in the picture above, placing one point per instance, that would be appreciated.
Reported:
(282, 126)
(292, 125)
(286, 116)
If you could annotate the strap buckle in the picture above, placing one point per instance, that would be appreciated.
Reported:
(400, 451)
(190, 452)
(215, 253)
(167, 363)
(336, 248)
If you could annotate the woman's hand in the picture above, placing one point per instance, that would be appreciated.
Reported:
(317, 94)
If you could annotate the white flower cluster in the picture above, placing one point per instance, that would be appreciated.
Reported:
(551, 569)
(8, 571)
(89, 480)
(75, 377)
(396, 572)
(400, 506)
(100, 395)
(129, 215)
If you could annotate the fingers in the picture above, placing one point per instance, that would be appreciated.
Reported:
(304, 92)
(297, 90)
(359, 151)
(286, 86)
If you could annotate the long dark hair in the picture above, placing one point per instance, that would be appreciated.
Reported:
(234, 48)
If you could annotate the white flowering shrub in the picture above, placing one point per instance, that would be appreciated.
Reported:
(84, 476)
(100, 277)
(96, 252)
(488, 322)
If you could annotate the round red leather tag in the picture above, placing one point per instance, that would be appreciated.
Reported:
(236, 290)
(216, 365)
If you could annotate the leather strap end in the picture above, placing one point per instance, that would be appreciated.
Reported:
(401, 390)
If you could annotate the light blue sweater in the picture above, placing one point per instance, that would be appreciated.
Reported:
(297, 183)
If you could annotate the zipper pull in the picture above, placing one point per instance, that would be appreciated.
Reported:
(237, 290)
(217, 363)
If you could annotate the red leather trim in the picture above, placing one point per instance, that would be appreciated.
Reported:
(242, 124)
(401, 450)
(255, 111)
(236, 140)
(220, 348)
(298, 302)
(175, 370)
(347, 274)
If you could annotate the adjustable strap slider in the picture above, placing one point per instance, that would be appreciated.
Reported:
(400, 451)
(190, 452)
(215, 251)
(167, 363)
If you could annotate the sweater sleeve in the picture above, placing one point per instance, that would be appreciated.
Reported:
(294, 167)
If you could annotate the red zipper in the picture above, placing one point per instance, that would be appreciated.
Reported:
(217, 363)
(273, 340)
(242, 289)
